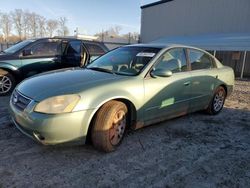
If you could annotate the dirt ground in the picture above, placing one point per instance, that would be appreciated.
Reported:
(196, 150)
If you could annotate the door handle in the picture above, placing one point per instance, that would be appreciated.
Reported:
(187, 83)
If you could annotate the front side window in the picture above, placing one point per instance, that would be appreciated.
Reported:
(45, 49)
(18, 46)
(173, 60)
(199, 60)
(125, 60)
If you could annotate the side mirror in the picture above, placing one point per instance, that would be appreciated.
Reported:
(27, 52)
(161, 73)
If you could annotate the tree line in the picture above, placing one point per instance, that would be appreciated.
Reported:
(19, 25)
(114, 32)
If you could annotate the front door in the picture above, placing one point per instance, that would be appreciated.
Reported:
(167, 97)
(43, 56)
(72, 54)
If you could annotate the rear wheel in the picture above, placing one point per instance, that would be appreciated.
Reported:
(7, 82)
(109, 126)
(217, 102)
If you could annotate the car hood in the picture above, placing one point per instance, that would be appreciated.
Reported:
(66, 81)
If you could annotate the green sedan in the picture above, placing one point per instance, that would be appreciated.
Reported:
(129, 87)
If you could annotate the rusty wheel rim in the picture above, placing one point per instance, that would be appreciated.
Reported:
(118, 128)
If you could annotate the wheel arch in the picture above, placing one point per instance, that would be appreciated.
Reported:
(11, 69)
(131, 109)
(225, 87)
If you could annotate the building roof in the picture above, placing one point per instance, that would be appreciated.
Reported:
(155, 3)
(220, 42)
(160, 45)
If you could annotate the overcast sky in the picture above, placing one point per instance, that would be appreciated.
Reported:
(90, 16)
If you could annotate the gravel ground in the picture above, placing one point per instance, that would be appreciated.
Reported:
(196, 150)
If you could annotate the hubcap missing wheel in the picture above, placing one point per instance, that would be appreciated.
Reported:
(118, 128)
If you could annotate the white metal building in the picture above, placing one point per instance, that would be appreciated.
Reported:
(219, 26)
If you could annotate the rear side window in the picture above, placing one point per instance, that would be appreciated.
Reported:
(200, 60)
(94, 49)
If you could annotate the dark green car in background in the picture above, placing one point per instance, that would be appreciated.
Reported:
(129, 87)
(34, 56)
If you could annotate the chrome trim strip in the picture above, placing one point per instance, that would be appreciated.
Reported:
(23, 95)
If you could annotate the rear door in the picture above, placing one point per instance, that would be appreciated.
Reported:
(44, 56)
(167, 97)
(203, 78)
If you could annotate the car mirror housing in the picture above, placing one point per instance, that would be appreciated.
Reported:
(161, 73)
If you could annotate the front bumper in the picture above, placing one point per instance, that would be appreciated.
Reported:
(52, 129)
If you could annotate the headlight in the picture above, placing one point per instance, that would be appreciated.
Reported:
(58, 104)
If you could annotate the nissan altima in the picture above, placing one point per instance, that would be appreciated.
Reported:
(128, 88)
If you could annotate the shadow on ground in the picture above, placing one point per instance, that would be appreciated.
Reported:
(196, 150)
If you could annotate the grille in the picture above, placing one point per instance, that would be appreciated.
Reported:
(19, 100)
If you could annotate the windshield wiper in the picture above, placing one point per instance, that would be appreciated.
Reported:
(101, 69)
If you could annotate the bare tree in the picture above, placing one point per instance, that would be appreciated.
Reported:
(52, 25)
(114, 31)
(41, 26)
(33, 21)
(132, 36)
(63, 29)
(135, 36)
(26, 24)
(6, 24)
(111, 32)
(17, 17)
(117, 29)
(1, 34)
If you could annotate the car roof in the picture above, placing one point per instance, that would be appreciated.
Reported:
(65, 38)
(160, 45)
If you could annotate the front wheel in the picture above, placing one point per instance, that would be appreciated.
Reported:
(109, 126)
(218, 101)
(7, 82)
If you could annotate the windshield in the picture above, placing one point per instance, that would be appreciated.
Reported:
(18, 46)
(125, 60)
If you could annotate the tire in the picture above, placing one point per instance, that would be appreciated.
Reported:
(217, 101)
(109, 126)
(7, 82)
